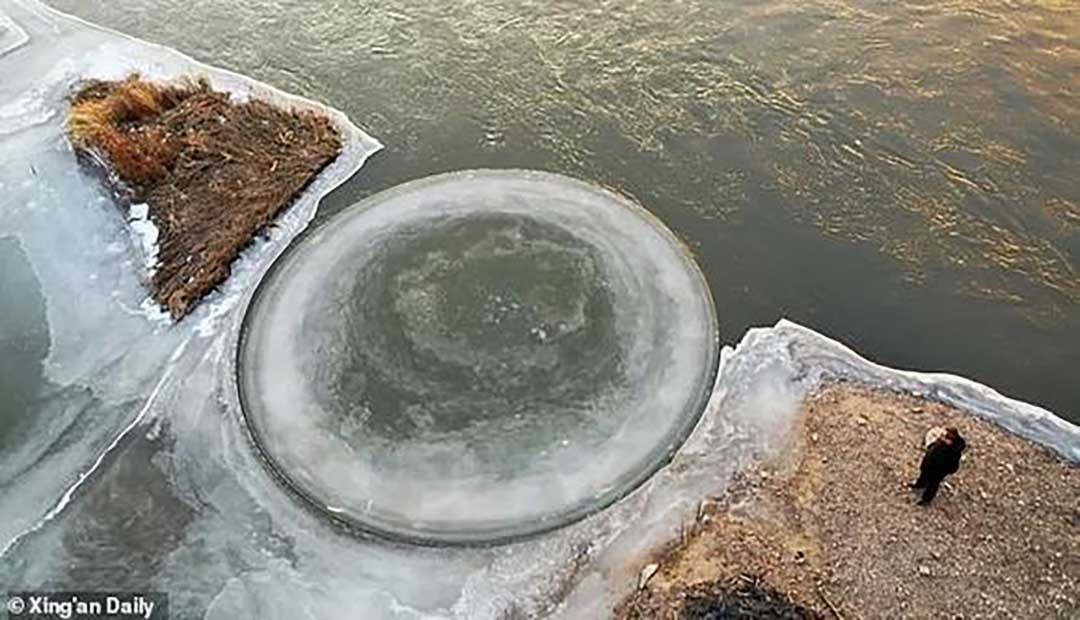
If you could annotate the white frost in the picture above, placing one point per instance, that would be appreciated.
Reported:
(144, 235)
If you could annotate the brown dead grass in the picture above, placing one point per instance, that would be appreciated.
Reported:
(834, 526)
(105, 116)
(214, 172)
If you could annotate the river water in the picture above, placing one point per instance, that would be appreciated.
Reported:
(901, 175)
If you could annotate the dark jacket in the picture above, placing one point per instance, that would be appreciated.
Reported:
(943, 458)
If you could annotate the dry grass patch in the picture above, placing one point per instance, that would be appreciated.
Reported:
(107, 116)
(213, 172)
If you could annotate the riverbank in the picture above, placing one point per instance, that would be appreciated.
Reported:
(833, 529)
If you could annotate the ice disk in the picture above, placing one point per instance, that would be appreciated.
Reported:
(478, 355)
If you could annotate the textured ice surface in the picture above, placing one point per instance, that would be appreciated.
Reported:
(479, 355)
(132, 469)
(11, 35)
(110, 358)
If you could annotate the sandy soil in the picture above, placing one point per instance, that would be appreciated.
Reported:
(835, 529)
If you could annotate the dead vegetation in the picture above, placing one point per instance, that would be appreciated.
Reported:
(213, 172)
(108, 117)
(742, 597)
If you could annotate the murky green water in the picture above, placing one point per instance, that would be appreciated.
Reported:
(904, 176)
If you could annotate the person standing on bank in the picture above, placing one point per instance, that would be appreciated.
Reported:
(943, 449)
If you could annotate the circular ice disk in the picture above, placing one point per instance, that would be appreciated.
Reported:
(478, 356)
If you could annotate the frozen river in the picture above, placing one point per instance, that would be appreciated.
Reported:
(920, 227)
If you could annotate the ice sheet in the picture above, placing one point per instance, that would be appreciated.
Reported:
(11, 35)
(139, 473)
(110, 354)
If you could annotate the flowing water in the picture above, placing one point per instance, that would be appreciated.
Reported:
(901, 175)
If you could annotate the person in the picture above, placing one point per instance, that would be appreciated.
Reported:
(944, 447)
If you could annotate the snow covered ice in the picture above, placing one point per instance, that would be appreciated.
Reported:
(127, 465)
(144, 236)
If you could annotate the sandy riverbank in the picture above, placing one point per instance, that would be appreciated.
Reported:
(833, 528)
